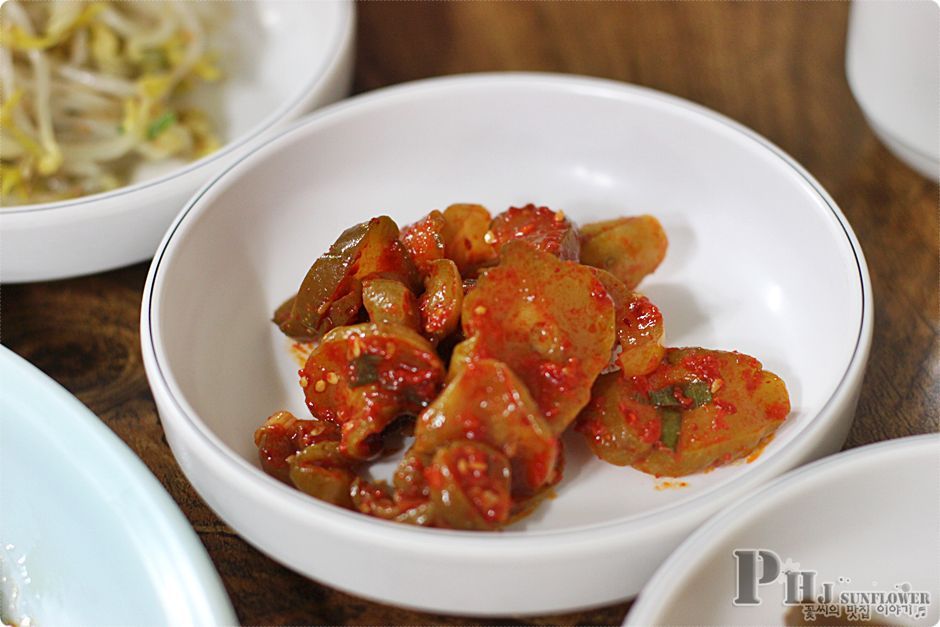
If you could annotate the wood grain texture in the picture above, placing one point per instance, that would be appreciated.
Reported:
(777, 67)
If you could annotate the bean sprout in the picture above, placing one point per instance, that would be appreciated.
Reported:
(89, 89)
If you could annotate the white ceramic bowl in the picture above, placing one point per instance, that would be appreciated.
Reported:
(88, 536)
(893, 67)
(281, 60)
(761, 260)
(865, 520)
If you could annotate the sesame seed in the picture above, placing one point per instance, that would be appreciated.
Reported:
(559, 216)
(304, 382)
(331, 378)
(489, 237)
(477, 464)
(479, 310)
(320, 385)
(489, 498)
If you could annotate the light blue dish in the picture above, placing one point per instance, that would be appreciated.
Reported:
(87, 535)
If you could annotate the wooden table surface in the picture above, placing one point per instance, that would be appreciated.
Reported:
(776, 67)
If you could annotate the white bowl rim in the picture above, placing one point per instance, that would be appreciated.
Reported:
(663, 583)
(205, 596)
(469, 543)
(342, 37)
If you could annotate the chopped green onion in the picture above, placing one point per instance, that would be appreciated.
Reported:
(664, 397)
(159, 125)
(365, 370)
(699, 391)
(672, 424)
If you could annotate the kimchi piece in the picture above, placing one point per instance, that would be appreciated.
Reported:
(551, 321)
(629, 248)
(699, 409)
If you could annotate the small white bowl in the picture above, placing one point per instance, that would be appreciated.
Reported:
(760, 260)
(865, 520)
(88, 535)
(281, 60)
(892, 62)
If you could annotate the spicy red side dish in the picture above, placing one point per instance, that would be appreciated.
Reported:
(486, 338)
